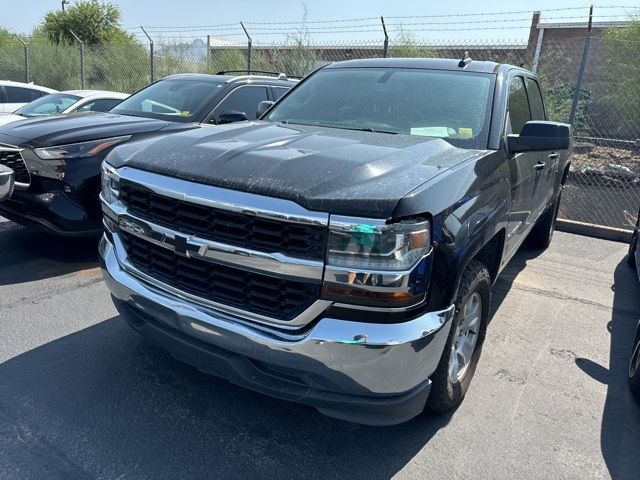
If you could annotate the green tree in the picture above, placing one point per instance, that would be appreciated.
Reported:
(622, 77)
(95, 24)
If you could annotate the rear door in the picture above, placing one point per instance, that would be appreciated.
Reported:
(522, 167)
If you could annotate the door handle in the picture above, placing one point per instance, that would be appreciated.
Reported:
(539, 165)
(553, 155)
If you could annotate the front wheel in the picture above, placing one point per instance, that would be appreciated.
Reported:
(451, 379)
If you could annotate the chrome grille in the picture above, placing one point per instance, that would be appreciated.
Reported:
(261, 294)
(224, 226)
(13, 160)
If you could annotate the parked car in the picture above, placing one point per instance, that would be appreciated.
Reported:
(57, 159)
(633, 258)
(339, 252)
(6, 182)
(14, 95)
(66, 102)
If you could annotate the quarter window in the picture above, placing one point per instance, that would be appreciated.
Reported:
(518, 105)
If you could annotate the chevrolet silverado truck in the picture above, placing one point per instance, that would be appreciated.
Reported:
(340, 251)
(57, 159)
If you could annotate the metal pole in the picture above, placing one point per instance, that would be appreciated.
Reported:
(151, 56)
(26, 59)
(536, 58)
(81, 58)
(249, 48)
(386, 38)
(583, 64)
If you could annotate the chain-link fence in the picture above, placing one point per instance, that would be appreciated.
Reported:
(603, 187)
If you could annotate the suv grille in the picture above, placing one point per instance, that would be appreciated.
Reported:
(242, 230)
(14, 161)
(261, 294)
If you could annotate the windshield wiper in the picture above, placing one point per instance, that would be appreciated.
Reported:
(369, 129)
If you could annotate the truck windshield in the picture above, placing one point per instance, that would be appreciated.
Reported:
(454, 106)
(177, 100)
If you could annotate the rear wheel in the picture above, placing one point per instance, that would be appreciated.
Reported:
(451, 379)
(634, 367)
(631, 256)
(542, 232)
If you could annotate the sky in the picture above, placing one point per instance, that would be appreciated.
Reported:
(22, 16)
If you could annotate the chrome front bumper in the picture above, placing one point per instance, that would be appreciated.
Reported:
(331, 359)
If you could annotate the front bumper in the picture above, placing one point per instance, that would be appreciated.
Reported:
(370, 373)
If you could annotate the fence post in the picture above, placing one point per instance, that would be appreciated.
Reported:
(249, 48)
(151, 56)
(536, 57)
(81, 58)
(26, 58)
(583, 63)
(386, 38)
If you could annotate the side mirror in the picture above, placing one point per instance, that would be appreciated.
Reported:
(263, 107)
(6, 182)
(231, 116)
(538, 136)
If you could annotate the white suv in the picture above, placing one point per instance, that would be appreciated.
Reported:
(14, 95)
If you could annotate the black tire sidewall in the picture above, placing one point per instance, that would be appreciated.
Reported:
(445, 394)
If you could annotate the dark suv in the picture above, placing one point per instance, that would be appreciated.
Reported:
(57, 159)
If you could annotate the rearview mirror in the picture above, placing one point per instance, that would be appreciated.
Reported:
(263, 107)
(538, 136)
(231, 116)
(6, 182)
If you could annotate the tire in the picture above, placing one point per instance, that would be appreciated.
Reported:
(634, 367)
(631, 256)
(451, 379)
(542, 232)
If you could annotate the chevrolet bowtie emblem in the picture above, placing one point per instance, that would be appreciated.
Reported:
(180, 244)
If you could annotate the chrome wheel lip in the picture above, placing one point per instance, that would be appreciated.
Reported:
(634, 362)
(466, 338)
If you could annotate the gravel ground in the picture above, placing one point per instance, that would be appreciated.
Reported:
(81, 396)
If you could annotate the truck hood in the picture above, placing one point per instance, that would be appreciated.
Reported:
(324, 169)
(76, 127)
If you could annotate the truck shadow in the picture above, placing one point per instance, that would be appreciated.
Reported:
(133, 411)
(27, 255)
(620, 430)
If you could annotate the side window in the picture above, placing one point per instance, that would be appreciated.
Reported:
(22, 95)
(535, 100)
(518, 104)
(243, 99)
(102, 105)
(278, 92)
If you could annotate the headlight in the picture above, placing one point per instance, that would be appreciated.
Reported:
(373, 245)
(110, 183)
(79, 150)
(375, 264)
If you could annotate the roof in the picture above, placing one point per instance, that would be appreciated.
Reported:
(27, 85)
(426, 63)
(97, 93)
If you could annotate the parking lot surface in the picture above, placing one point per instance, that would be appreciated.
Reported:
(82, 396)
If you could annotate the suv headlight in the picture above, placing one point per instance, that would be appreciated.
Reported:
(110, 181)
(79, 150)
(370, 262)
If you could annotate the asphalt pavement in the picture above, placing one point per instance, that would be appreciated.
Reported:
(82, 396)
